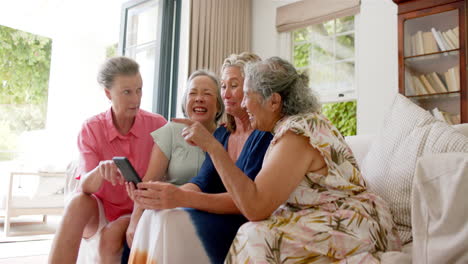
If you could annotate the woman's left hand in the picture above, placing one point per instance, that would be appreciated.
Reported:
(196, 134)
(158, 195)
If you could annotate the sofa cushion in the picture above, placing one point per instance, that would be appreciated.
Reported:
(440, 210)
(408, 133)
(360, 146)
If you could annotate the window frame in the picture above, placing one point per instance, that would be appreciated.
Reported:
(336, 95)
(164, 101)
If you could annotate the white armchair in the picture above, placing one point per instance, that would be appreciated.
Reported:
(46, 199)
(35, 182)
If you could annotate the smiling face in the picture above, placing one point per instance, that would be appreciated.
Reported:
(232, 84)
(263, 113)
(125, 95)
(201, 103)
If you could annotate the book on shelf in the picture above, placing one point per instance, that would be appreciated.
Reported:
(422, 43)
(455, 31)
(413, 45)
(449, 43)
(409, 84)
(427, 85)
(456, 119)
(418, 86)
(436, 82)
(451, 119)
(438, 39)
(429, 42)
(442, 79)
(450, 81)
(452, 38)
(438, 114)
(431, 83)
(419, 43)
(452, 77)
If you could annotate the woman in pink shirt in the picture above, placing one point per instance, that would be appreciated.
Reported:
(100, 212)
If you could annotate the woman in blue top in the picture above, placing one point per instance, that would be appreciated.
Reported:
(203, 233)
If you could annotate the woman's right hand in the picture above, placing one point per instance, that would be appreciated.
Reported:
(109, 172)
(196, 134)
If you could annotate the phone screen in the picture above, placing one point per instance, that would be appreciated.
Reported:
(127, 170)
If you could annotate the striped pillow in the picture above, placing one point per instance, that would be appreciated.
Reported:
(408, 133)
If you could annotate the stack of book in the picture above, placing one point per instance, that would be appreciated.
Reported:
(432, 83)
(434, 41)
(451, 119)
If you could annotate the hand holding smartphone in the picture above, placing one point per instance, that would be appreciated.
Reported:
(127, 170)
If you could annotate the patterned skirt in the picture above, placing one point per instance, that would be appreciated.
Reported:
(351, 230)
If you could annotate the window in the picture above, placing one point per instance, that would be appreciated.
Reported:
(326, 51)
(149, 34)
(24, 82)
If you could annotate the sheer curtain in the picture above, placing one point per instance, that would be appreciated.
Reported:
(218, 29)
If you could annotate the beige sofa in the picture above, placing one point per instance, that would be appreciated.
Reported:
(420, 167)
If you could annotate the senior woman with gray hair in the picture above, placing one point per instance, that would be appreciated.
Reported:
(309, 201)
(202, 231)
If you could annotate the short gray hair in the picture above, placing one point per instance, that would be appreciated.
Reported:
(115, 66)
(215, 80)
(275, 75)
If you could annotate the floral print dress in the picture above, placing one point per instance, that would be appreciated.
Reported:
(326, 219)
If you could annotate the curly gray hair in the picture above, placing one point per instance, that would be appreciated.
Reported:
(219, 100)
(275, 75)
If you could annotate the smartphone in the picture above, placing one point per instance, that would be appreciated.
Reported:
(127, 170)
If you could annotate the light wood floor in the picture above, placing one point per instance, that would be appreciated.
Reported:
(24, 247)
(23, 260)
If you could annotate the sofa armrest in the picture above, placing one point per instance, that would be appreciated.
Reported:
(360, 146)
(439, 209)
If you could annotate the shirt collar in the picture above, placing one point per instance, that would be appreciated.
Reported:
(136, 130)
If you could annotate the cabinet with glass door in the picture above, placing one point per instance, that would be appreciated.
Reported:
(431, 55)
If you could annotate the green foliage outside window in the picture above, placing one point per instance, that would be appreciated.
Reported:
(313, 51)
(111, 51)
(24, 77)
(343, 116)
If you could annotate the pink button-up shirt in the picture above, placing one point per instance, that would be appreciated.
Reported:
(99, 140)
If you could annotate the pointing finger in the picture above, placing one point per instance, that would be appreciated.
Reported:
(184, 121)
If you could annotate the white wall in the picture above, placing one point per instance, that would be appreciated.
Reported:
(264, 35)
(266, 41)
(376, 59)
(377, 51)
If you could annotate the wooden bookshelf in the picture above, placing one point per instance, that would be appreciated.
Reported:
(432, 56)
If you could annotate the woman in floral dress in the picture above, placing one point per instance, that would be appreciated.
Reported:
(308, 203)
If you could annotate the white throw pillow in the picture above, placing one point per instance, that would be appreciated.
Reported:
(408, 133)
